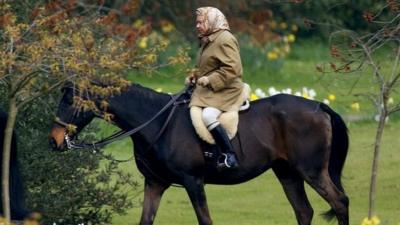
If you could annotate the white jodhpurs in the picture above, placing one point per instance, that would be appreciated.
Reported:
(210, 116)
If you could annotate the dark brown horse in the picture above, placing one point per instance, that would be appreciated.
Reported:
(301, 140)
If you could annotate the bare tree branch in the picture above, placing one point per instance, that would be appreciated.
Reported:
(393, 77)
(371, 61)
(394, 109)
(51, 88)
(20, 83)
(373, 98)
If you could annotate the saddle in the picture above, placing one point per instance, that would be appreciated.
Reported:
(229, 120)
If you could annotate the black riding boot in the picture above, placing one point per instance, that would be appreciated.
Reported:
(222, 140)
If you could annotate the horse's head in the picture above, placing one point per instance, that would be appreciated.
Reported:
(70, 119)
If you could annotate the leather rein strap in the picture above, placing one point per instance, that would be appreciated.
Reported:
(123, 134)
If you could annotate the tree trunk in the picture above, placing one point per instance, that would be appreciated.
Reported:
(12, 113)
(375, 160)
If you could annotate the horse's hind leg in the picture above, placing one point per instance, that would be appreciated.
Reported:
(152, 195)
(195, 189)
(293, 185)
(339, 202)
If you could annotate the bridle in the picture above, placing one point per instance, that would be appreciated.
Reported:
(123, 134)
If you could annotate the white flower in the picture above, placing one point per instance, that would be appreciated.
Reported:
(306, 93)
(272, 91)
(312, 93)
(377, 117)
(287, 91)
(326, 101)
(260, 93)
(297, 93)
(285, 38)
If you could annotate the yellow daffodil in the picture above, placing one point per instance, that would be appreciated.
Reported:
(390, 101)
(375, 220)
(272, 55)
(159, 89)
(167, 27)
(291, 38)
(138, 23)
(283, 25)
(355, 106)
(306, 95)
(295, 28)
(273, 24)
(366, 221)
(332, 97)
(150, 58)
(253, 97)
(143, 42)
(164, 43)
(278, 51)
(286, 48)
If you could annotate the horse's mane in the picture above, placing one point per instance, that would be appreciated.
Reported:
(144, 94)
(134, 92)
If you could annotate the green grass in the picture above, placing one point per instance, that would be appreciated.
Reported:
(262, 201)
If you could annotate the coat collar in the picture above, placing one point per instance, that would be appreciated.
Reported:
(204, 41)
(214, 35)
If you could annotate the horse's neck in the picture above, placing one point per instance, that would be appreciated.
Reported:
(135, 107)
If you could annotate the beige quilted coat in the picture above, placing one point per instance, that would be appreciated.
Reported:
(219, 59)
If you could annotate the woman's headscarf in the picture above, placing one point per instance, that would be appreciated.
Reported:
(214, 20)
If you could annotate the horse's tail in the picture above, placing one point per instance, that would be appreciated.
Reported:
(339, 149)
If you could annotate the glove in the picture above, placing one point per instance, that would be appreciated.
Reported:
(203, 81)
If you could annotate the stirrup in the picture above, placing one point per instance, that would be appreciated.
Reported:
(226, 161)
(223, 164)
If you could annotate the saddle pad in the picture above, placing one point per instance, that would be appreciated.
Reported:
(229, 120)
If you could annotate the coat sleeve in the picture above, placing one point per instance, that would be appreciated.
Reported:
(230, 65)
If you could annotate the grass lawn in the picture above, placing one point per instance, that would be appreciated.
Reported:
(262, 201)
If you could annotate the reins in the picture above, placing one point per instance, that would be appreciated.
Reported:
(123, 134)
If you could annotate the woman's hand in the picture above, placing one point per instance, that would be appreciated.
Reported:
(203, 81)
(190, 80)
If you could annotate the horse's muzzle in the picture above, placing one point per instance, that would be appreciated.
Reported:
(57, 139)
(56, 147)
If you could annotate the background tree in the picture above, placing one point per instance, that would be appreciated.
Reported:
(68, 41)
(371, 55)
(247, 14)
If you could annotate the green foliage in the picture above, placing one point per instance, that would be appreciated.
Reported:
(348, 14)
(70, 187)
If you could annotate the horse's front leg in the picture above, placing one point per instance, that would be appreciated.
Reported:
(195, 189)
(152, 195)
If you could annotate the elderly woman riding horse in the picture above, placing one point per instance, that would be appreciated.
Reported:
(218, 78)
(300, 139)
